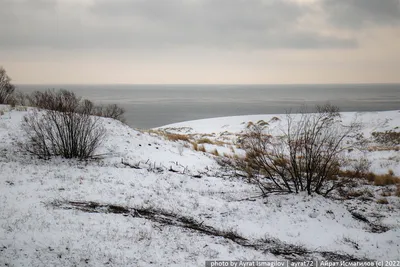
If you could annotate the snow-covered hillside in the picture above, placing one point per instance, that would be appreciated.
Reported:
(373, 121)
(226, 129)
(154, 202)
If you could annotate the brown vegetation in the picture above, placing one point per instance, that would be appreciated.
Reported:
(215, 152)
(201, 148)
(382, 201)
(377, 179)
(176, 137)
(386, 179)
(204, 140)
(195, 146)
(307, 157)
(388, 138)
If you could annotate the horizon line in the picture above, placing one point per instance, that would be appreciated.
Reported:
(208, 84)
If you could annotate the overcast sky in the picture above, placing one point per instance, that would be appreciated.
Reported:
(200, 41)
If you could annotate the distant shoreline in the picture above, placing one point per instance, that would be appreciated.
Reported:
(235, 124)
(150, 106)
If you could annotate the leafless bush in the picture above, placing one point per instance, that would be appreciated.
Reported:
(87, 107)
(111, 111)
(66, 101)
(61, 100)
(67, 134)
(306, 157)
(21, 99)
(6, 88)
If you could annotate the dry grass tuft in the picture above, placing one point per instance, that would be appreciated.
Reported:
(195, 146)
(177, 137)
(201, 148)
(250, 124)
(215, 152)
(262, 123)
(386, 179)
(377, 179)
(382, 201)
(204, 140)
(169, 136)
(275, 119)
(220, 143)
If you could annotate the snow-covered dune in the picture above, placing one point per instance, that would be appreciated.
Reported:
(69, 213)
(226, 129)
(380, 120)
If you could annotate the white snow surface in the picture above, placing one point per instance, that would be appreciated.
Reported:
(227, 129)
(374, 120)
(35, 233)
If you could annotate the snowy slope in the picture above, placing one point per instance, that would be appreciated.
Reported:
(382, 120)
(226, 129)
(36, 231)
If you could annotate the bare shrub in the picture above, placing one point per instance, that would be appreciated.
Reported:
(21, 99)
(110, 111)
(6, 88)
(87, 107)
(306, 157)
(67, 134)
(67, 101)
(61, 100)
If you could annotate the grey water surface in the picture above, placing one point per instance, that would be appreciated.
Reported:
(149, 106)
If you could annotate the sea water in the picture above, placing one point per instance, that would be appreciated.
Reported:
(149, 106)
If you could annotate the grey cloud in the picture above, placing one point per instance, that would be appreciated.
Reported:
(27, 23)
(228, 23)
(159, 24)
(362, 13)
